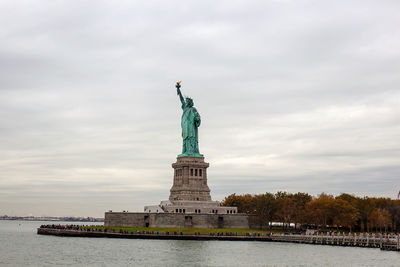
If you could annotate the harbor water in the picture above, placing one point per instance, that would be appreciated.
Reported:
(21, 246)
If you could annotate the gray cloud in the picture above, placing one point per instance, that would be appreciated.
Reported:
(294, 95)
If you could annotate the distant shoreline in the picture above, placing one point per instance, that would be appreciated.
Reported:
(51, 220)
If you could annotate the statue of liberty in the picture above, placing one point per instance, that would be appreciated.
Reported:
(190, 123)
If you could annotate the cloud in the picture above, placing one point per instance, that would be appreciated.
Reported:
(294, 95)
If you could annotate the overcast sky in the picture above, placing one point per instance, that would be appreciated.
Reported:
(300, 96)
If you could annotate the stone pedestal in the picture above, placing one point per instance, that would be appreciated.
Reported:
(190, 193)
(189, 203)
(190, 180)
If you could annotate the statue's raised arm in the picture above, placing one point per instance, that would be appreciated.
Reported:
(178, 92)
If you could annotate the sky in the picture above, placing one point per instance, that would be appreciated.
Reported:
(297, 96)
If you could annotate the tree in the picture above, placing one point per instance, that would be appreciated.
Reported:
(344, 214)
(345, 210)
(365, 207)
(300, 202)
(319, 210)
(286, 209)
(265, 208)
(379, 218)
(244, 203)
(394, 211)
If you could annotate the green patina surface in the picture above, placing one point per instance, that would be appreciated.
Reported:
(190, 123)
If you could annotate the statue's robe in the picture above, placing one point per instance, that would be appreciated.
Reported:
(190, 123)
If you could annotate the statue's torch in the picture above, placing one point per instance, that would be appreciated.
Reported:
(178, 86)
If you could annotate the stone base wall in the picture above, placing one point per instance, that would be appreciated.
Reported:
(190, 180)
(174, 220)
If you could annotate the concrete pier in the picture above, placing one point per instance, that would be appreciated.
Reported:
(384, 242)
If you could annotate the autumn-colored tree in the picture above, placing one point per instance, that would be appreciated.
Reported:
(379, 219)
(300, 202)
(361, 213)
(265, 208)
(244, 203)
(349, 198)
(394, 211)
(365, 207)
(345, 214)
(286, 208)
(320, 210)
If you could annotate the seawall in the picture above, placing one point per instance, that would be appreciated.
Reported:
(379, 241)
(77, 233)
(176, 220)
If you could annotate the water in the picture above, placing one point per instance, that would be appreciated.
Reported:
(21, 246)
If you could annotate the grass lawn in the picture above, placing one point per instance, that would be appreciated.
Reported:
(185, 230)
